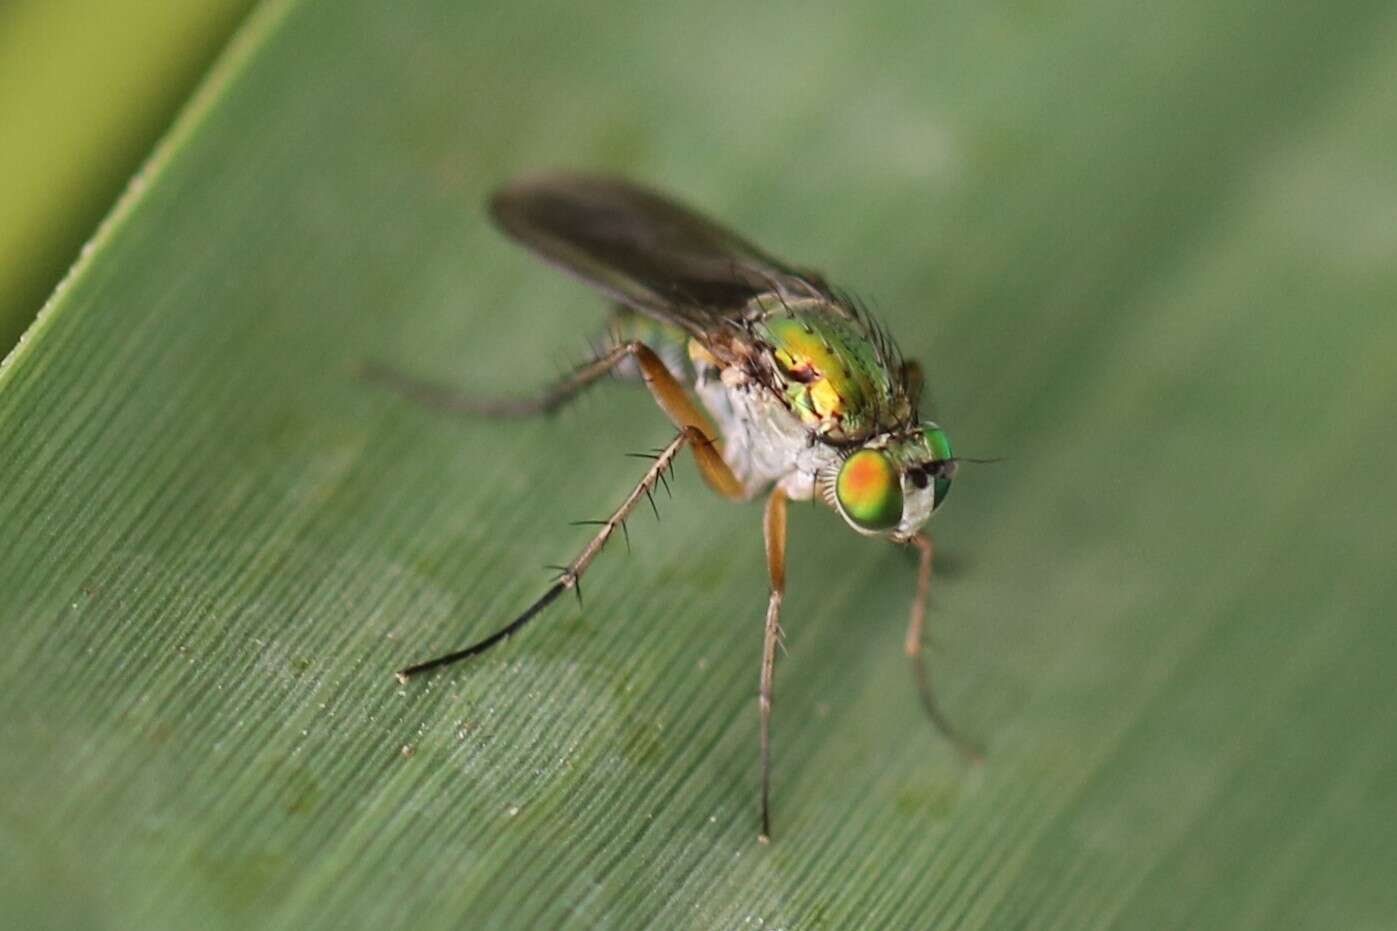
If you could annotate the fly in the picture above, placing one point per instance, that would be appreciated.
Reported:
(800, 393)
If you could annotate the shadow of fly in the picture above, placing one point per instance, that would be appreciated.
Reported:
(800, 393)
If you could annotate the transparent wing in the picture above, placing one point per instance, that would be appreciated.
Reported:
(643, 249)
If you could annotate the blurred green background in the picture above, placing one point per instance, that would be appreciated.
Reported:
(85, 90)
(1146, 255)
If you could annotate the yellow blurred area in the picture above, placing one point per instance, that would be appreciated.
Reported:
(85, 91)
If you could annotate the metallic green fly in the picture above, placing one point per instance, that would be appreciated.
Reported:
(806, 396)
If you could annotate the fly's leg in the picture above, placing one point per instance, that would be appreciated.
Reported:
(664, 388)
(453, 400)
(695, 431)
(666, 340)
(625, 326)
(683, 412)
(914, 652)
(570, 576)
(774, 531)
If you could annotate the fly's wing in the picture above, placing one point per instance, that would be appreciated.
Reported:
(643, 249)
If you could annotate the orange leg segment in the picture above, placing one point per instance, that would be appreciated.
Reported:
(774, 531)
(668, 393)
(914, 652)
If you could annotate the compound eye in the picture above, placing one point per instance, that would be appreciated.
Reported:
(869, 490)
(939, 443)
(944, 466)
(943, 487)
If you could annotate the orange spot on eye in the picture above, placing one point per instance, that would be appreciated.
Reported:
(865, 476)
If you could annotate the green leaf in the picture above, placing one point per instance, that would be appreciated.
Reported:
(1146, 256)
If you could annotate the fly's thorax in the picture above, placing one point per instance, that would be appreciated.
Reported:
(762, 441)
(891, 485)
(826, 366)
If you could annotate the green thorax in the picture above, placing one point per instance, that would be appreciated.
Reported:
(831, 368)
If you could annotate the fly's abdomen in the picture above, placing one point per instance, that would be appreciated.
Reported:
(668, 342)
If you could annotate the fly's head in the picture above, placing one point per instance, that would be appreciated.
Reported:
(891, 485)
